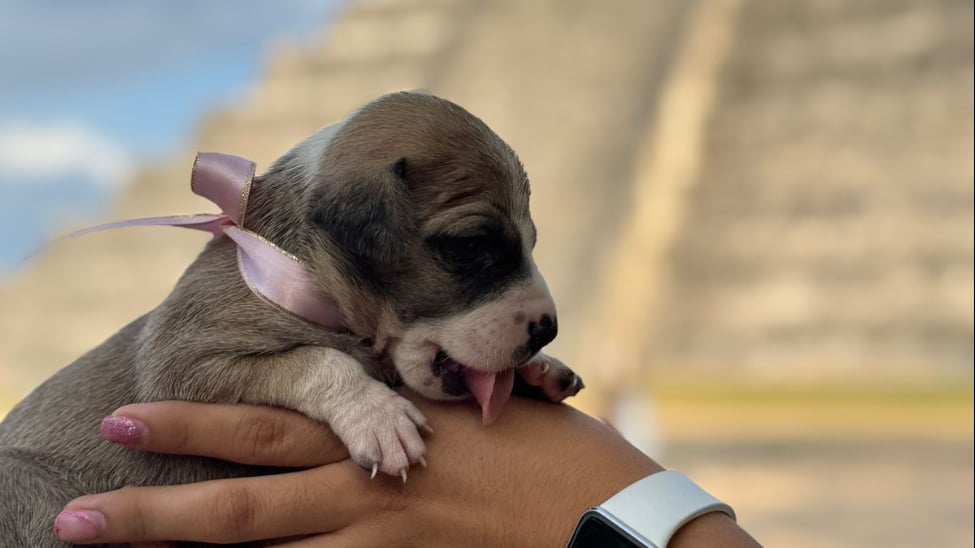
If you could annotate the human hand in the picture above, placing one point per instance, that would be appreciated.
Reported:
(522, 482)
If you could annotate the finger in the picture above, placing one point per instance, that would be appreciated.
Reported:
(240, 433)
(222, 511)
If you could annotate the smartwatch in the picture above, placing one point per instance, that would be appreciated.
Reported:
(645, 514)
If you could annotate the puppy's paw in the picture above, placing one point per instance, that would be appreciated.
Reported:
(382, 431)
(551, 377)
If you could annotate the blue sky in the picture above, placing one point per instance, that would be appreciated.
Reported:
(88, 90)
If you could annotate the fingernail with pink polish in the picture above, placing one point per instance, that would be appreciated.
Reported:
(123, 430)
(79, 525)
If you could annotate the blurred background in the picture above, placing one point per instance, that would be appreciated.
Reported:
(756, 216)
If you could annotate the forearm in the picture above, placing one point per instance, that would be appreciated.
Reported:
(594, 463)
(601, 469)
(587, 473)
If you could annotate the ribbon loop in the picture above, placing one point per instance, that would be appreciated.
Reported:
(224, 180)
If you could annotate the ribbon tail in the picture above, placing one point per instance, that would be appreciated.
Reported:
(203, 221)
(280, 278)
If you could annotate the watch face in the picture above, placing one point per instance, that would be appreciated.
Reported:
(596, 531)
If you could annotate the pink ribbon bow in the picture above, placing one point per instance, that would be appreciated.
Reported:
(271, 273)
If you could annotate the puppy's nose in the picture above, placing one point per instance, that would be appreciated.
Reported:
(542, 332)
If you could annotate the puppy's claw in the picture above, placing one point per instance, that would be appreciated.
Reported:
(402, 474)
(545, 367)
(384, 435)
(422, 461)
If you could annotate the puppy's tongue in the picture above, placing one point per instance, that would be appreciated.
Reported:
(491, 390)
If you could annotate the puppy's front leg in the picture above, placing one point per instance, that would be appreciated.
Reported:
(379, 426)
(550, 379)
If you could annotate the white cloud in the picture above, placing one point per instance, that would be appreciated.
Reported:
(32, 153)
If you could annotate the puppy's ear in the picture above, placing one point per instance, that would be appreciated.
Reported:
(368, 215)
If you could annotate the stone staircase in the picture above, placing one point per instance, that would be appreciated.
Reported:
(830, 231)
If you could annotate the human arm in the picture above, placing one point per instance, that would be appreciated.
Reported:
(522, 482)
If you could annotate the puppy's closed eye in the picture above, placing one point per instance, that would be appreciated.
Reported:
(476, 253)
(463, 249)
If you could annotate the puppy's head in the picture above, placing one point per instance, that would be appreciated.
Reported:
(427, 209)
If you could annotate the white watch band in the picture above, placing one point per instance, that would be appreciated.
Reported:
(659, 504)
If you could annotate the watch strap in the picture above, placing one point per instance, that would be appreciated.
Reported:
(659, 504)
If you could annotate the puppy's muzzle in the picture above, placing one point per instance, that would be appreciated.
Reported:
(542, 332)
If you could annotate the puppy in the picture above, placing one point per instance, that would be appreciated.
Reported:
(413, 216)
